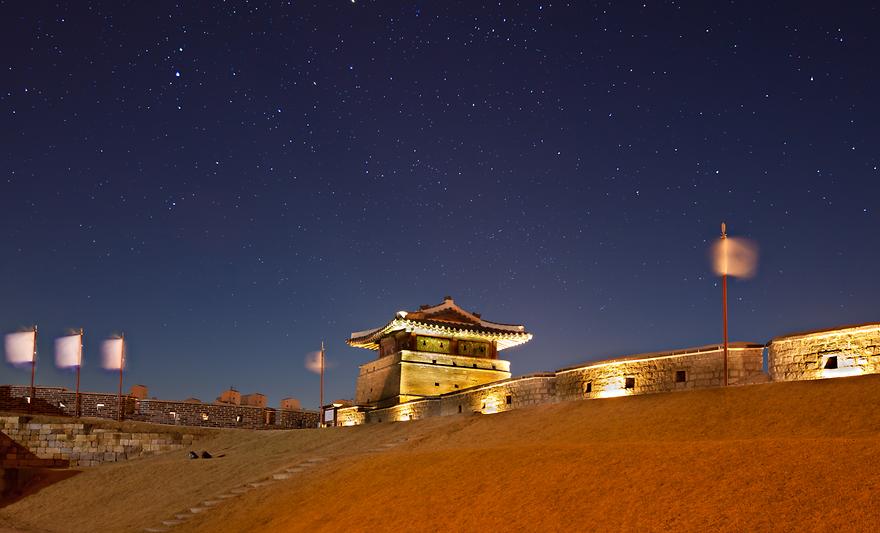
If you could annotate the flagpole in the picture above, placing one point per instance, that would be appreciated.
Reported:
(76, 407)
(33, 371)
(724, 300)
(321, 423)
(119, 395)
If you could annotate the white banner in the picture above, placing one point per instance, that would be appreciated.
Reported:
(67, 351)
(111, 354)
(20, 347)
(735, 256)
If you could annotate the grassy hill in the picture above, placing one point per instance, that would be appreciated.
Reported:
(780, 456)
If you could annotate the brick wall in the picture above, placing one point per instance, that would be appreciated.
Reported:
(847, 351)
(60, 401)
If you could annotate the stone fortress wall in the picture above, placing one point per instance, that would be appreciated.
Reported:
(639, 374)
(844, 351)
(32, 444)
(61, 401)
(847, 351)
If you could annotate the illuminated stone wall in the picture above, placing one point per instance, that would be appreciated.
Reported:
(502, 396)
(649, 373)
(412, 410)
(847, 351)
(409, 375)
(349, 416)
(661, 372)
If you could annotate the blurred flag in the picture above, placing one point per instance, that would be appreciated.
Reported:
(67, 351)
(313, 362)
(112, 354)
(20, 347)
(735, 256)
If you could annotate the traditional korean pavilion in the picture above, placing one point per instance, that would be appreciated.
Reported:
(437, 349)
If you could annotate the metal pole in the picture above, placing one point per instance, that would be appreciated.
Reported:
(119, 396)
(321, 407)
(33, 371)
(76, 403)
(724, 299)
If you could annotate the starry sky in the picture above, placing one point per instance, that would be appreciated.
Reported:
(232, 183)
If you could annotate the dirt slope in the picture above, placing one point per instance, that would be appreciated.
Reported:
(782, 457)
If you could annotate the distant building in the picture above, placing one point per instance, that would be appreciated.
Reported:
(192, 400)
(290, 404)
(230, 396)
(139, 391)
(254, 400)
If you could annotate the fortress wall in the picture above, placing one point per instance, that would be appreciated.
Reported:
(378, 380)
(853, 350)
(349, 416)
(413, 410)
(501, 396)
(76, 444)
(60, 401)
(650, 373)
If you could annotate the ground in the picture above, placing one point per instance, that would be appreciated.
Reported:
(779, 456)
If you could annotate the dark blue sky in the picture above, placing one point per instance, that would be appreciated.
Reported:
(230, 185)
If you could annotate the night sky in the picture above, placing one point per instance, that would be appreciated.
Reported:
(230, 185)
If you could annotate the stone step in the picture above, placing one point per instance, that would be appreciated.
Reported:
(280, 476)
(258, 484)
(241, 490)
(197, 510)
(316, 460)
(183, 516)
(171, 522)
(210, 503)
(293, 470)
(226, 496)
(155, 529)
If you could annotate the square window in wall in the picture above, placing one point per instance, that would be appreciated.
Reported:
(630, 383)
(456, 386)
(436, 384)
(434, 362)
(588, 387)
(459, 408)
(831, 362)
(509, 399)
(680, 376)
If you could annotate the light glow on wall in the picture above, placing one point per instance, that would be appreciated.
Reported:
(614, 388)
(842, 372)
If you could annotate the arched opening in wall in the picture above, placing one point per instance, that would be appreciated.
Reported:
(680, 376)
(831, 362)
(509, 399)
(630, 383)
(459, 408)
(588, 387)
